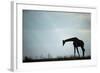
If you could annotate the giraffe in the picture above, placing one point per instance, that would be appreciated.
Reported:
(76, 43)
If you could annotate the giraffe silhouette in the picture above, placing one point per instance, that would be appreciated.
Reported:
(76, 43)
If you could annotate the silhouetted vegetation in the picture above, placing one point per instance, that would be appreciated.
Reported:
(28, 59)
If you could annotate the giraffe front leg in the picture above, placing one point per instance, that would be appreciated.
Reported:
(78, 52)
(74, 51)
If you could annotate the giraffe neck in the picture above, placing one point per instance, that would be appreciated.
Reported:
(71, 39)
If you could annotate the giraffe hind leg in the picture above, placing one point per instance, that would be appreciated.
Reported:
(83, 50)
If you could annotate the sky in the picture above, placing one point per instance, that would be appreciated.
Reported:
(43, 32)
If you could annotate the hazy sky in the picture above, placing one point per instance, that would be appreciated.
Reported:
(43, 32)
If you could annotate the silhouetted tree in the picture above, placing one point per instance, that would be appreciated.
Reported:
(49, 56)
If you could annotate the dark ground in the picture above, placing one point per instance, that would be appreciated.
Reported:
(27, 59)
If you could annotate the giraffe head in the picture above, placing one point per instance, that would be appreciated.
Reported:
(63, 42)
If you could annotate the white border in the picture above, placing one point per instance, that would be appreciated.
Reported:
(17, 64)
